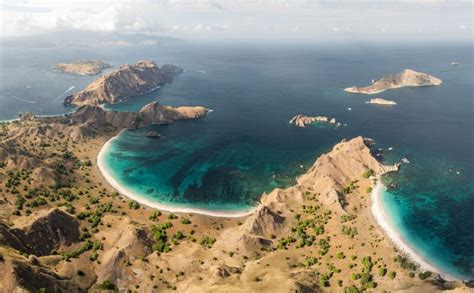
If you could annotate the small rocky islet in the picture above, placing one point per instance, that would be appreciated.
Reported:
(303, 120)
(381, 101)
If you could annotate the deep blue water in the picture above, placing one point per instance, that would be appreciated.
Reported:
(245, 146)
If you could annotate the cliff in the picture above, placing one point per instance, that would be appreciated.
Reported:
(406, 78)
(89, 67)
(128, 80)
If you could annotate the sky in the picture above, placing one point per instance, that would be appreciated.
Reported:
(246, 19)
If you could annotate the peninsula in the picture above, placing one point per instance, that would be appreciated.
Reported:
(83, 67)
(406, 78)
(128, 80)
(381, 101)
(302, 120)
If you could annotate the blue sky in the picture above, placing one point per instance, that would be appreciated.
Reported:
(246, 19)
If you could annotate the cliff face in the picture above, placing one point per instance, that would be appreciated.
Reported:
(405, 78)
(128, 80)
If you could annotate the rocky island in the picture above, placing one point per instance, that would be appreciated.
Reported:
(128, 80)
(302, 120)
(406, 78)
(381, 101)
(83, 67)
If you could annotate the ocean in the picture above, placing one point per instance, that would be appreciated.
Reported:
(246, 147)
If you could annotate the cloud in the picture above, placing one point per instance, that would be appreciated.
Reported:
(123, 15)
(304, 19)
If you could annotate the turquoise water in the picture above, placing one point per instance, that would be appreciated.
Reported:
(245, 146)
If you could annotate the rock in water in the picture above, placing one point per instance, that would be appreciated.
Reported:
(405, 78)
(128, 80)
(153, 134)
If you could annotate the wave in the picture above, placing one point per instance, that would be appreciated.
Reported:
(65, 92)
(24, 100)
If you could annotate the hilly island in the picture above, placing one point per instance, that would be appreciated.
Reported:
(69, 225)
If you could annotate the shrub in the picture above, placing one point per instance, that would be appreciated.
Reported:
(107, 285)
(368, 173)
(208, 241)
(154, 215)
(424, 275)
(351, 289)
(133, 205)
(185, 221)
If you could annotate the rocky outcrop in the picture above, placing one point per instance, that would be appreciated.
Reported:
(27, 275)
(46, 231)
(405, 78)
(380, 101)
(83, 67)
(225, 271)
(153, 134)
(302, 120)
(128, 80)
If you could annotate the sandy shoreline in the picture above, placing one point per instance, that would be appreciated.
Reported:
(383, 221)
(144, 201)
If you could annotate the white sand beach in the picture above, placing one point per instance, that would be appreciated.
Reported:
(383, 220)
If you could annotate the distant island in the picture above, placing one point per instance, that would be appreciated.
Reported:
(128, 80)
(302, 120)
(83, 67)
(381, 101)
(406, 78)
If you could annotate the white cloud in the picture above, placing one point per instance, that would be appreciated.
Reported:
(305, 19)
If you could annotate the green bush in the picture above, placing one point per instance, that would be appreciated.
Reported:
(368, 173)
(208, 241)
